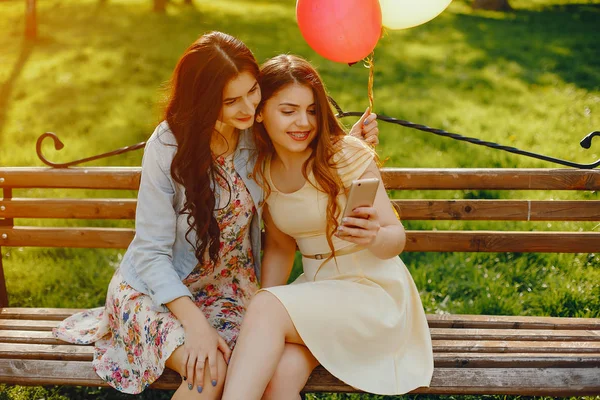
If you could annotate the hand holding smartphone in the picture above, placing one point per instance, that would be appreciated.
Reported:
(362, 194)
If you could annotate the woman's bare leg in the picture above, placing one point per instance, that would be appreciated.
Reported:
(291, 374)
(209, 392)
(266, 328)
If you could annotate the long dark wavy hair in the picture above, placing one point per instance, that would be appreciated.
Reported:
(275, 75)
(193, 107)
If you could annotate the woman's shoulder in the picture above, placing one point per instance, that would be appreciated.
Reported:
(162, 136)
(352, 158)
(349, 148)
(349, 141)
(161, 145)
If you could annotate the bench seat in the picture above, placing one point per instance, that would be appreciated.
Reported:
(474, 354)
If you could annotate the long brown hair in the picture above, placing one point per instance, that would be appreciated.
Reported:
(275, 75)
(194, 105)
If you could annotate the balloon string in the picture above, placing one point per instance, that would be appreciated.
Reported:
(370, 64)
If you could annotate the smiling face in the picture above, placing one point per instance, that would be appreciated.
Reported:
(290, 119)
(241, 96)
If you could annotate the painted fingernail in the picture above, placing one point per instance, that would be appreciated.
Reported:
(214, 382)
(199, 388)
(190, 386)
(344, 220)
(340, 228)
(366, 121)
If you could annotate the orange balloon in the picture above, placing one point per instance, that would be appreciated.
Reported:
(343, 31)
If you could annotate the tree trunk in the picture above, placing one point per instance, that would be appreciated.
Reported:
(495, 5)
(160, 6)
(30, 20)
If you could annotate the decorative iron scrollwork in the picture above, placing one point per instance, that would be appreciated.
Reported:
(586, 143)
(58, 145)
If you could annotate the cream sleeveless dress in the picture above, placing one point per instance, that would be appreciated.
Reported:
(360, 316)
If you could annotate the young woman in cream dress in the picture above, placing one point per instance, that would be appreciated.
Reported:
(355, 309)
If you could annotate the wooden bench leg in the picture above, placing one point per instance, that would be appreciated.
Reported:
(3, 291)
(4, 222)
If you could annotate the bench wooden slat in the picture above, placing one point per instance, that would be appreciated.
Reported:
(499, 210)
(502, 241)
(33, 337)
(70, 352)
(465, 321)
(45, 337)
(455, 345)
(506, 346)
(127, 178)
(468, 210)
(26, 325)
(490, 178)
(50, 314)
(524, 381)
(462, 321)
(28, 337)
(67, 352)
(515, 334)
(394, 178)
(516, 360)
(103, 238)
(68, 208)
(528, 381)
(427, 241)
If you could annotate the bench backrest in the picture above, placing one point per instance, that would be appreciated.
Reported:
(19, 204)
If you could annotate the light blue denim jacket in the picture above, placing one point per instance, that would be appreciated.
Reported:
(160, 257)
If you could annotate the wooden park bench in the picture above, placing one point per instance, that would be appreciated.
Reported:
(474, 354)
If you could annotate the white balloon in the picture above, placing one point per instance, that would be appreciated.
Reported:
(402, 14)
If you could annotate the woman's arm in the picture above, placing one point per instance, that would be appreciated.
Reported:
(156, 228)
(377, 227)
(202, 342)
(278, 254)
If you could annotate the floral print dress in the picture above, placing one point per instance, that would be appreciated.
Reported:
(133, 340)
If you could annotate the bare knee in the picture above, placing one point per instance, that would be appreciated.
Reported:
(286, 384)
(264, 306)
(291, 373)
(262, 301)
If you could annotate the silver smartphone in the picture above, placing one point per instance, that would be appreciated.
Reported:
(362, 194)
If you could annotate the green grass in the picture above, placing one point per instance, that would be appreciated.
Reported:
(528, 78)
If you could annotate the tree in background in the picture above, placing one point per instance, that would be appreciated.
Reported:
(30, 20)
(496, 5)
(160, 5)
